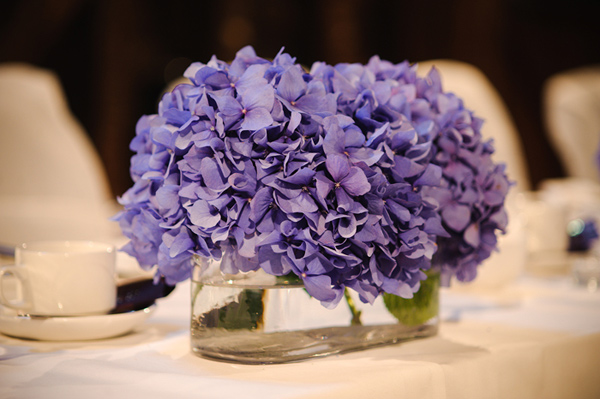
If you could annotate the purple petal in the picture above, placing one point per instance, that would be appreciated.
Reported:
(320, 288)
(252, 76)
(431, 177)
(364, 154)
(347, 226)
(257, 119)
(288, 228)
(419, 152)
(303, 177)
(177, 117)
(404, 138)
(456, 216)
(406, 167)
(458, 172)
(500, 218)
(212, 176)
(161, 136)
(268, 239)
(379, 134)
(167, 197)
(433, 225)
(271, 262)
(399, 211)
(344, 202)
(343, 86)
(354, 138)
(396, 287)
(318, 265)
(334, 140)
(242, 183)
(179, 243)
(375, 204)
(301, 203)
(292, 85)
(218, 80)
(497, 194)
(220, 234)
(295, 119)
(266, 224)
(472, 236)
(356, 183)
(304, 203)
(316, 103)
(470, 196)
(324, 185)
(246, 249)
(258, 96)
(228, 105)
(203, 215)
(338, 166)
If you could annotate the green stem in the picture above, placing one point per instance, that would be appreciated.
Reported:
(196, 287)
(355, 312)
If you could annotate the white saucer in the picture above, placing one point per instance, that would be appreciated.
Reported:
(76, 328)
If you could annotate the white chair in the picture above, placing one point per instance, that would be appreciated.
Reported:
(571, 111)
(52, 181)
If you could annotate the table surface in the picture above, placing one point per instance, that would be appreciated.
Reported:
(536, 338)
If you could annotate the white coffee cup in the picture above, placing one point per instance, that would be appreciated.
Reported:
(61, 278)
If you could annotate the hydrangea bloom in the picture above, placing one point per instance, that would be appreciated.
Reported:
(300, 173)
(435, 126)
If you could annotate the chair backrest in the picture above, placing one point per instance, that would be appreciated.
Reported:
(479, 95)
(43, 149)
(571, 113)
(52, 182)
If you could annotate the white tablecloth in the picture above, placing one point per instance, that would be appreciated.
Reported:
(534, 339)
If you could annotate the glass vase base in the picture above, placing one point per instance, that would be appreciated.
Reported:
(251, 347)
(258, 318)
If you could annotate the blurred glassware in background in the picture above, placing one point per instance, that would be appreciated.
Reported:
(580, 197)
(584, 253)
(571, 112)
(582, 235)
(561, 220)
(546, 239)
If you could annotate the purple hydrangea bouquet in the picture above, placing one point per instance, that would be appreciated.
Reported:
(354, 177)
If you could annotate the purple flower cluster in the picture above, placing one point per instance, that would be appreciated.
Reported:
(334, 176)
(473, 188)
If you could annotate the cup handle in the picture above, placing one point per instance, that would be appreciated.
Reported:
(14, 271)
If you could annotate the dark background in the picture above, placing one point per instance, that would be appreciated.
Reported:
(114, 57)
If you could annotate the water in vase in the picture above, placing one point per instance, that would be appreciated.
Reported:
(257, 318)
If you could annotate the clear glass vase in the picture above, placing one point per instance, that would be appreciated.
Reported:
(258, 318)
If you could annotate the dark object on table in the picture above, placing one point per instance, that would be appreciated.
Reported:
(139, 294)
(582, 235)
